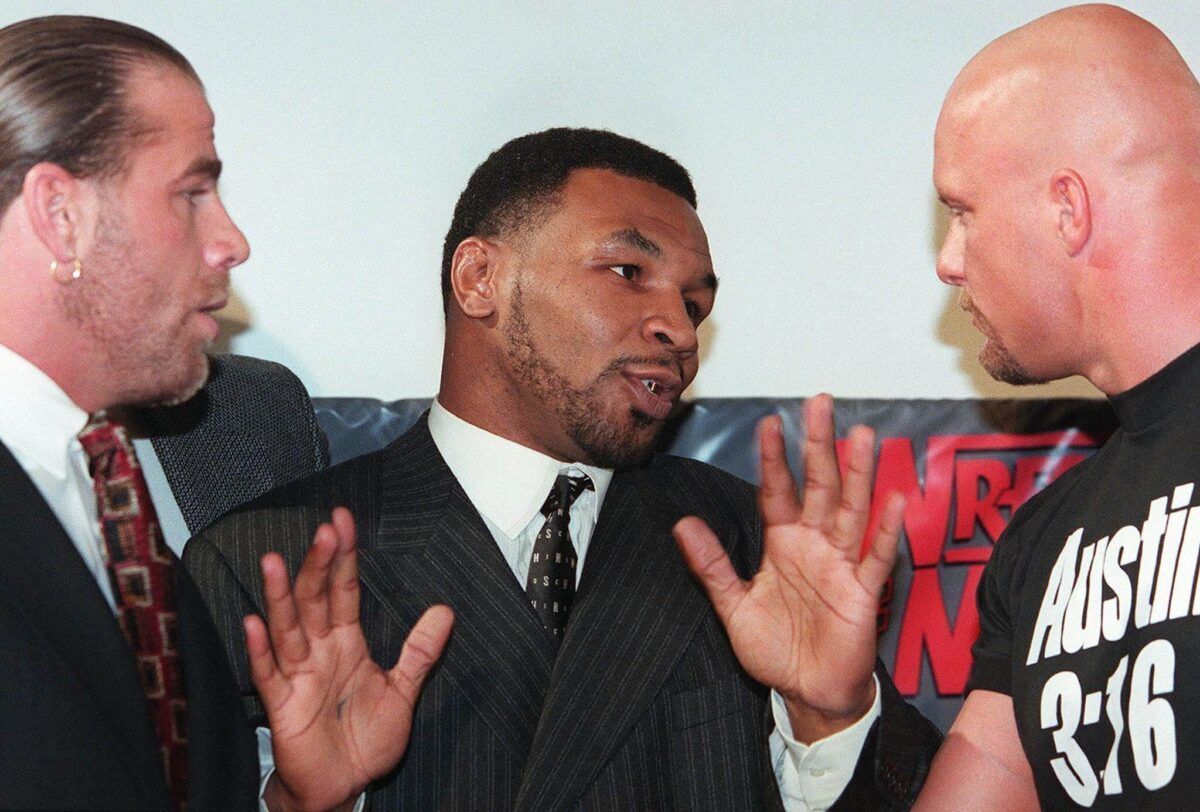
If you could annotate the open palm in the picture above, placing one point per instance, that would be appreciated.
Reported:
(337, 719)
(805, 623)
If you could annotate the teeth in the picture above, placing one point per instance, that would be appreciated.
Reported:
(652, 387)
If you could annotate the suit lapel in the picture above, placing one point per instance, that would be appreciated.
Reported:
(636, 611)
(43, 574)
(432, 547)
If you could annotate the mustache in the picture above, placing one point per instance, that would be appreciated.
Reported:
(669, 362)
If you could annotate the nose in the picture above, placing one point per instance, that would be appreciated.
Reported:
(950, 257)
(669, 324)
(226, 247)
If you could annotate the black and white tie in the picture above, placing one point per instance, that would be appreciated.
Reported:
(551, 582)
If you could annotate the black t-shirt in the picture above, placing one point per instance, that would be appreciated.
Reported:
(1090, 611)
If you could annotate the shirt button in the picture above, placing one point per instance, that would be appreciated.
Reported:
(816, 773)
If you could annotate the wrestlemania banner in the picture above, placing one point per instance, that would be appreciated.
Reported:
(964, 466)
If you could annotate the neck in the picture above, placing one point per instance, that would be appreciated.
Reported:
(1141, 324)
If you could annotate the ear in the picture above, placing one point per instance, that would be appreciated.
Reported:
(1073, 209)
(53, 205)
(473, 277)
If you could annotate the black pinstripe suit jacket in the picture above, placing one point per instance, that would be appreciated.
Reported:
(643, 707)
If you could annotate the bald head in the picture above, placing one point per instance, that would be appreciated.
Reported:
(1090, 84)
(1069, 152)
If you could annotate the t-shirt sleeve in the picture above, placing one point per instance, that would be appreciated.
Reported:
(992, 652)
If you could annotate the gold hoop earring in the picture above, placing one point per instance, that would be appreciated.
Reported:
(63, 278)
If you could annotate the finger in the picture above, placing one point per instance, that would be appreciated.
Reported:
(421, 649)
(707, 560)
(271, 685)
(822, 479)
(850, 521)
(343, 523)
(777, 500)
(287, 638)
(343, 578)
(312, 581)
(877, 565)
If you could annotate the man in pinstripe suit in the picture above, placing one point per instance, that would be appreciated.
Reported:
(575, 273)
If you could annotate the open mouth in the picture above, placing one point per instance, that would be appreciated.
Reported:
(652, 386)
(654, 394)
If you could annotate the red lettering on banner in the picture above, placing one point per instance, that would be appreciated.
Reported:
(979, 484)
(926, 628)
(971, 483)
(928, 509)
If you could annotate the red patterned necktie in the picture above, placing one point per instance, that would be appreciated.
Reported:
(139, 566)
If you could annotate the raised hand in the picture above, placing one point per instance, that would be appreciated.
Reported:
(805, 624)
(337, 719)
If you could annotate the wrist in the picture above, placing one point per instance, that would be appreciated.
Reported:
(811, 723)
(276, 797)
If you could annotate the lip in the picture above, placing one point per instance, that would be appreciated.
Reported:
(208, 325)
(657, 406)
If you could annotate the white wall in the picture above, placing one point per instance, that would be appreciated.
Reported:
(349, 129)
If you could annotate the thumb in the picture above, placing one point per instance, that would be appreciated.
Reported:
(421, 649)
(707, 560)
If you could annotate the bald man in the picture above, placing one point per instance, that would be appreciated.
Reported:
(1068, 152)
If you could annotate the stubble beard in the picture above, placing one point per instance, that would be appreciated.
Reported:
(142, 367)
(606, 442)
(997, 360)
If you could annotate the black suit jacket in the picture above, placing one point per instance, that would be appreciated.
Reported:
(74, 728)
(643, 707)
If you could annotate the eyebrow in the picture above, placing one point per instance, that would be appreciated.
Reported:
(640, 242)
(635, 239)
(209, 167)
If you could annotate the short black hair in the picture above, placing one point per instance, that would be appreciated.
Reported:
(521, 179)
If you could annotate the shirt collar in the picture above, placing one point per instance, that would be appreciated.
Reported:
(38, 421)
(505, 481)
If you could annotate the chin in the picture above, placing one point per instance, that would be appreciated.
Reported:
(1003, 367)
(619, 443)
(181, 386)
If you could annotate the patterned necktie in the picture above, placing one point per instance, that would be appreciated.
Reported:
(551, 583)
(139, 566)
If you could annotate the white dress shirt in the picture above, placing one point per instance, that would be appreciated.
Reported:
(508, 484)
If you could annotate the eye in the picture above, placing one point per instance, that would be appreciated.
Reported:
(956, 212)
(193, 194)
(627, 271)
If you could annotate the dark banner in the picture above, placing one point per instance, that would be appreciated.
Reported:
(964, 466)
